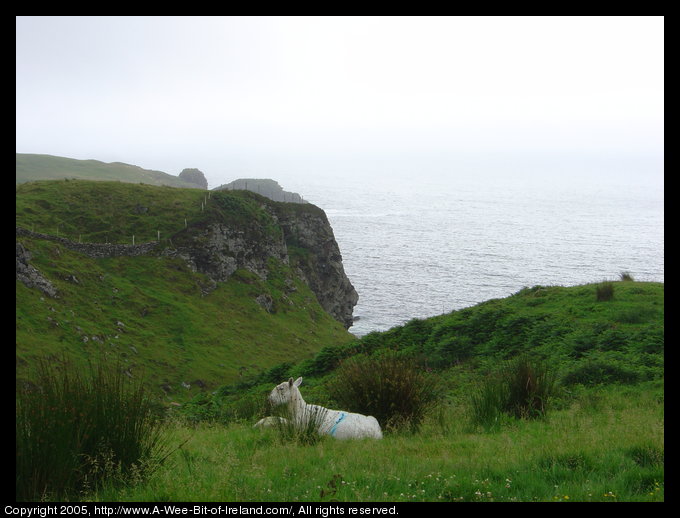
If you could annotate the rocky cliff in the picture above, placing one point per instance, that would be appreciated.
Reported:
(297, 235)
(216, 234)
(317, 259)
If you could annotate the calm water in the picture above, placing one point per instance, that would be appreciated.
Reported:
(421, 247)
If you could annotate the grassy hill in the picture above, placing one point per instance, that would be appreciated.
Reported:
(601, 440)
(154, 312)
(583, 341)
(33, 167)
(219, 352)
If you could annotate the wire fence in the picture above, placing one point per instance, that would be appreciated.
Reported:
(133, 239)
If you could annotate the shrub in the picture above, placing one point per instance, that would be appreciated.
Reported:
(649, 339)
(74, 430)
(326, 359)
(395, 390)
(604, 291)
(595, 372)
(521, 389)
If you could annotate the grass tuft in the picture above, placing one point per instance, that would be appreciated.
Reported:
(604, 291)
(521, 389)
(75, 430)
(304, 430)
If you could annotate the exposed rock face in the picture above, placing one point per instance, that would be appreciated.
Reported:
(296, 235)
(29, 275)
(220, 249)
(194, 176)
(320, 263)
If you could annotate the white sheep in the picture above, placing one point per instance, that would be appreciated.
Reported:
(337, 423)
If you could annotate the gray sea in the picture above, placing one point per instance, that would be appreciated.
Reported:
(418, 245)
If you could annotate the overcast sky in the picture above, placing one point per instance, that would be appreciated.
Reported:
(236, 94)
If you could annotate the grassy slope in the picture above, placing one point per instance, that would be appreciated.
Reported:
(601, 441)
(110, 212)
(584, 341)
(33, 167)
(168, 330)
(565, 325)
(606, 446)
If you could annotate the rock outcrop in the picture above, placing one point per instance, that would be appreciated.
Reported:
(264, 187)
(241, 233)
(316, 257)
(299, 236)
(30, 275)
(194, 176)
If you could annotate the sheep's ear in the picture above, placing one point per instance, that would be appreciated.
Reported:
(290, 382)
(298, 381)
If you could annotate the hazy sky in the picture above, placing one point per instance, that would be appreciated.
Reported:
(240, 94)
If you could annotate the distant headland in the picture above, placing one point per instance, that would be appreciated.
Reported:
(266, 187)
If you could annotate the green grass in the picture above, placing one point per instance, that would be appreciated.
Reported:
(521, 388)
(609, 451)
(565, 325)
(151, 313)
(75, 430)
(163, 320)
(32, 167)
(112, 212)
(600, 439)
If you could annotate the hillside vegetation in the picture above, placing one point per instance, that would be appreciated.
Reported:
(551, 394)
(583, 341)
(34, 167)
(599, 438)
(168, 323)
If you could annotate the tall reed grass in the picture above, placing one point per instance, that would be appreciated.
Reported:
(75, 429)
(521, 389)
(301, 429)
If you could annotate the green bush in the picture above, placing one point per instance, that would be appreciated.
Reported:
(604, 291)
(521, 389)
(649, 339)
(595, 372)
(75, 430)
(395, 390)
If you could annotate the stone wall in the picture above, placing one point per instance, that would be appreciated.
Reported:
(93, 249)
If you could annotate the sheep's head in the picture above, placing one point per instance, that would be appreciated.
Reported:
(284, 392)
